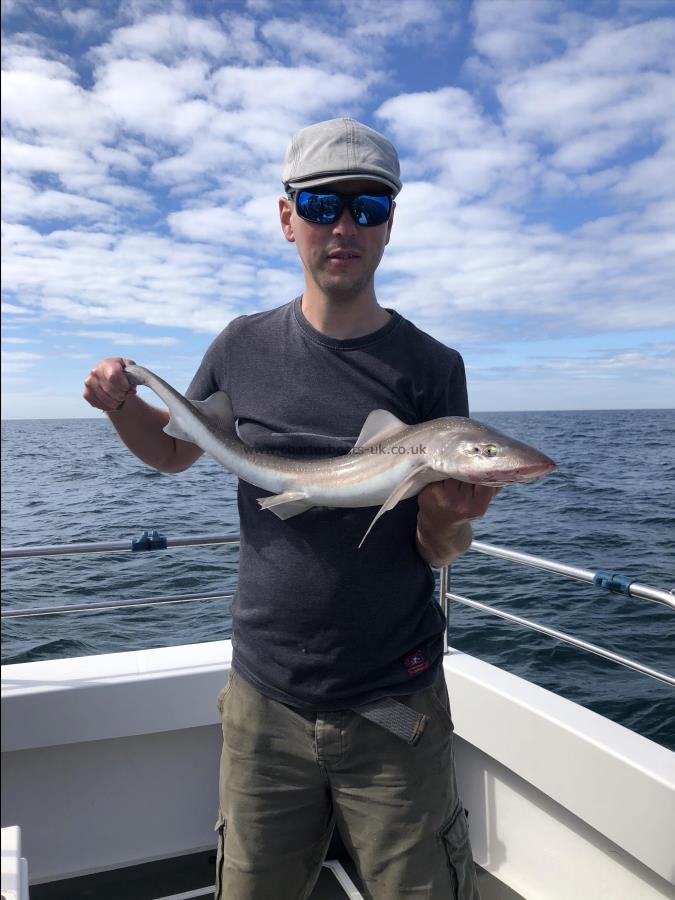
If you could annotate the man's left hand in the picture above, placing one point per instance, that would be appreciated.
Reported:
(445, 510)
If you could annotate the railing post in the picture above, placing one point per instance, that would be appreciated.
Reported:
(443, 600)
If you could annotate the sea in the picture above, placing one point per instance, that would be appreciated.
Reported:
(609, 505)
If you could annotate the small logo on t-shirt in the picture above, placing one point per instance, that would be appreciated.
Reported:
(416, 662)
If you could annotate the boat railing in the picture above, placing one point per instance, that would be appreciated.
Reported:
(153, 541)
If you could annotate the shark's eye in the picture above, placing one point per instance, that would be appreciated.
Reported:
(490, 450)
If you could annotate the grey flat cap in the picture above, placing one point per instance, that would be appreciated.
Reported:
(340, 150)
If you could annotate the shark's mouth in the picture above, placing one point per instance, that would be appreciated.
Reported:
(497, 478)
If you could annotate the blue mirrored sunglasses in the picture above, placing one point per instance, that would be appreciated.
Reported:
(326, 208)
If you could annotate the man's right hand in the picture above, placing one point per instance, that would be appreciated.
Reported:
(140, 425)
(106, 387)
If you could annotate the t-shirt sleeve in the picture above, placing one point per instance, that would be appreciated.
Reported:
(452, 399)
(213, 372)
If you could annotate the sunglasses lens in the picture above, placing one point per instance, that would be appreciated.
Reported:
(320, 208)
(371, 209)
(324, 209)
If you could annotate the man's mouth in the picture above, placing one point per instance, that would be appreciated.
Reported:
(343, 254)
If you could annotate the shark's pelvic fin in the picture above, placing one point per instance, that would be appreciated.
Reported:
(217, 409)
(286, 505)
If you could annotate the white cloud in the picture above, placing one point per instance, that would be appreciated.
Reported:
(342, 36)
(309, 44)
(18, 362)
(593, 102)
(513, 34)
(127, 278)
(614, 364)
(83, 20)
(22, 202)
(125, 338)
(453, 139)
(649, 177)
(77, 171)
(297, 91)
(410, 21)
(24, 157)
(251, 116)
(169, 35)
(253, 225)
(213, 225)
(450, 262)
(44, 99)
(12, 309)
(153, 99)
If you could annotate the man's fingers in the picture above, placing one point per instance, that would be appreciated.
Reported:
(107, 387)
(455, 499)
(481, 499)
(96, 394)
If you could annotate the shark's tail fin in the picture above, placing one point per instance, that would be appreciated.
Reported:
(136, 375)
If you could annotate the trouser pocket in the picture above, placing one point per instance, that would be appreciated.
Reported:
(220, 702)
(455, 837)
(221, 829)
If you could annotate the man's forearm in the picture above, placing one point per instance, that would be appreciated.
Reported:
(141, 427)
(442, 546)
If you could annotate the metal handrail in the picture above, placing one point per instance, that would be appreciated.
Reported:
(623, 586)
(566, 638)
(607, 580)
(111, 546)
(103, 605)
(598, 578)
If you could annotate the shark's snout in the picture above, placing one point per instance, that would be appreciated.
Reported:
(536, 467)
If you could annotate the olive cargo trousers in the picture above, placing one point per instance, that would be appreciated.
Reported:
(288, 776)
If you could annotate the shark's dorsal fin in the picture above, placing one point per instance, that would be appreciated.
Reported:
(217, 409)
(379, 425)
(411, 480)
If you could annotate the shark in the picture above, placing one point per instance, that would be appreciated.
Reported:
(390, 461)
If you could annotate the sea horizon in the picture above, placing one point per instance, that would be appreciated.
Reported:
(477, 412)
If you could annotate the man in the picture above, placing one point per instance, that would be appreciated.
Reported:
(336, 711)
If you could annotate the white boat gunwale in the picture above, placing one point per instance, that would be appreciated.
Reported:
(528, 749)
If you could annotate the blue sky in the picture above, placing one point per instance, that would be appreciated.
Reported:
(142, 152)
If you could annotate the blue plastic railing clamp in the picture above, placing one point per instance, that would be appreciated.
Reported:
(612, 581)
(149, 541)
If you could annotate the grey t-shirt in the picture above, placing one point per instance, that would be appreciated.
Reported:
(318, 623)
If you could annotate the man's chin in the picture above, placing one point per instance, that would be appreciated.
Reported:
(341, 287)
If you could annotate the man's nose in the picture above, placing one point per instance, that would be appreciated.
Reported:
(345, 224)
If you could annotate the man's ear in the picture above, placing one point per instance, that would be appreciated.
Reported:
(285, 210)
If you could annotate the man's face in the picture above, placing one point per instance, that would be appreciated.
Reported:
(341, 258)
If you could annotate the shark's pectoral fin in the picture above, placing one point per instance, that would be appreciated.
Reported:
(217, 409)
(286, 505)
(415, 476)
